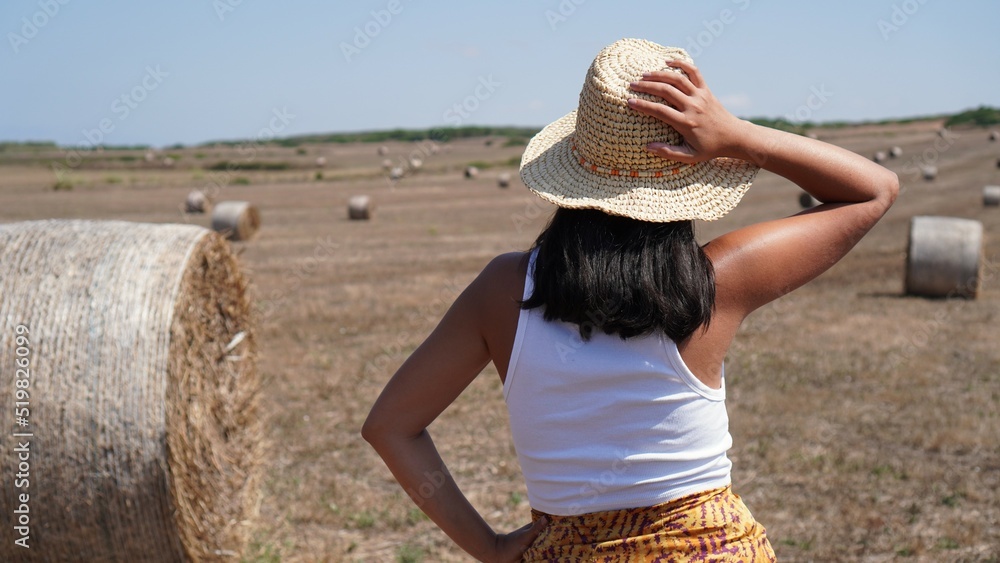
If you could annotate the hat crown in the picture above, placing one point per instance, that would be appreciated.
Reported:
(609, 134)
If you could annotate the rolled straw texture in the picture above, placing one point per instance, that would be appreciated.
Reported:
(146, 440)
(237, 220)
(943, 257)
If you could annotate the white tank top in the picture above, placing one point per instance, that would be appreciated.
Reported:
(607, 424)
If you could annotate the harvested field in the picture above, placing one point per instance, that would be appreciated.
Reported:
(865, 422)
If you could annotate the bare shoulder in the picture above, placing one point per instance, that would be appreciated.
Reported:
(498, 291)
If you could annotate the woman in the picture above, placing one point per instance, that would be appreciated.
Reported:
(610, 334)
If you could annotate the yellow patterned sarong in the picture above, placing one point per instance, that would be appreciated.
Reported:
(711, 526)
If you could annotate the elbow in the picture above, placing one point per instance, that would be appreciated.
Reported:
(372, 431)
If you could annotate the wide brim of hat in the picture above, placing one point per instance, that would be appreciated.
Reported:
(705, 191)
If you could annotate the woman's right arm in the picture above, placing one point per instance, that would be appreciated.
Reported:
(759, 263)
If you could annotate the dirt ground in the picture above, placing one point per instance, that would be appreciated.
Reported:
(865, 422)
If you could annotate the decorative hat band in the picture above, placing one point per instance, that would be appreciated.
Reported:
(629, 173)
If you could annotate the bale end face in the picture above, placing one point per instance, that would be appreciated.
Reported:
(196, 202)
(991, 196)
(236, 220)
(943, 257)
(360, 208)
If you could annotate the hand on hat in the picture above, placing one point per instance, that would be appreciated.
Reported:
(709, 130)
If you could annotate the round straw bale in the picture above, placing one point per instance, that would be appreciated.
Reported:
(994, 135)
(471, 172)
(879, 156)
(320, 161)
(143, 392)
(150, 156)
(991, 196)
(396, 173)
(416, 163)
(360, 208)
(168, 161)
(503, 180)
(386, 164)
(930, 172)
(196, 202)
(895, 152)
(237, 220)
(807, 201)
(383, 150)
(943, 257)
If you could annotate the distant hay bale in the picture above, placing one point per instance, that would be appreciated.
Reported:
(168, 162)
(236, 220)
(929, 172)
(895, 152)
(360, 208)
(150, 156)
(320, 161)
(416, 164)
(386, 164)
(471, 172)
(143, 391)
(383, 150)
(196, 202)
(991, 196)
(396, 173)
(503, 180)
(807, 201)
(943, 257)
(880, 156)
(994, 135)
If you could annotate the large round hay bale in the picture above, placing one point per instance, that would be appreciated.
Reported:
(396, 173)
(880, 156)
(943, 257)
(503, 180)
(143, 434)
(807, 201)
(386, 164)
(929, 172)
(237, 220)
(359, 208)
(471, 172)
(383, 150)
(994, 135)
(895, 152)
(320, 161)
(196, 202)
(416, 163)
(991, 196)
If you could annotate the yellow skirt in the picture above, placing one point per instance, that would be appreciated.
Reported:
(711, 526)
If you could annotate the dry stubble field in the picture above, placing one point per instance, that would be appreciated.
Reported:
(865, 422)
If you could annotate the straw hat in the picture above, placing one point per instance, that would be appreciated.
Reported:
(596, 156)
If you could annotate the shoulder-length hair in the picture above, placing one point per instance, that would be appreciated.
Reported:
(622, 276)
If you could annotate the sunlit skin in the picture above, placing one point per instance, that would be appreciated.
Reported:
(753, 265)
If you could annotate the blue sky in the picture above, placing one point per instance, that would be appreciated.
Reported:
(189, 71)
